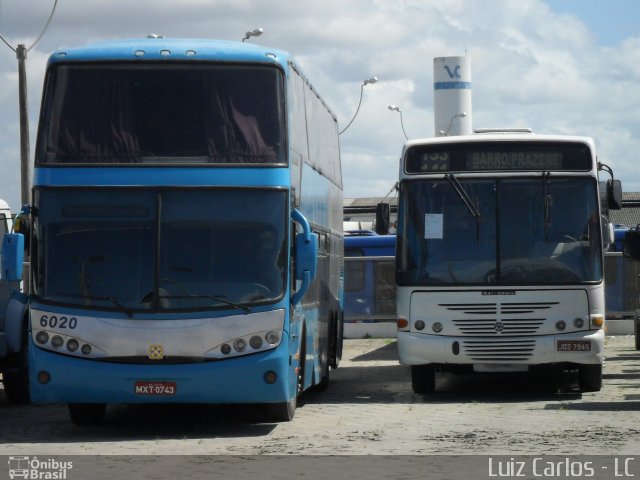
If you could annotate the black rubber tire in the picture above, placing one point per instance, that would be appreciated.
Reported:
(16, 378)
(636, 330)
(87, 413)
(423, 379)
(591, 378)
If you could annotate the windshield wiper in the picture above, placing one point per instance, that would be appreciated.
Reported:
(464, 196)
(128, 312)
(244, 308)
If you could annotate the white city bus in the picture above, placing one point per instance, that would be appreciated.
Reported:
(500, 255)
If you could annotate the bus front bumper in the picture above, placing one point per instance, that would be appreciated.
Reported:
(585, 347)
(240, 380)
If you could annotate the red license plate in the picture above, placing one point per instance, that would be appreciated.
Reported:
(144, 387)
(574, 346)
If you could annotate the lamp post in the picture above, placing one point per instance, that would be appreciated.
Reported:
(256, 32)
(368, 81)
(393, 108)
(457, 115)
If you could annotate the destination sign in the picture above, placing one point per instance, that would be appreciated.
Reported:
(498, 156)
(514, 161)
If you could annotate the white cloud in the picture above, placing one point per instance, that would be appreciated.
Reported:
(530, 67)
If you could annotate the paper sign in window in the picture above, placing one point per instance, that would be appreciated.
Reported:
(433, 226)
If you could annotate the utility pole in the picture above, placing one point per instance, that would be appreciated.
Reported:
(25, 171)
(21, 55)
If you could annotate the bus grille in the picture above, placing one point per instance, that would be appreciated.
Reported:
(499, 319)
(498, 351)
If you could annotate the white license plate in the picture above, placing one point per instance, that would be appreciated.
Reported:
(574, 346)
(145, 387)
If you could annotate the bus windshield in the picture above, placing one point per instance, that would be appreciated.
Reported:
(162, 114)
(503, 232)
(152, 249)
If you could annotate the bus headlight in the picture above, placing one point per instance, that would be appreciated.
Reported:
(436, 327)
(272, 338)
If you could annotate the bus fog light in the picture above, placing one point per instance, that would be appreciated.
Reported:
(72, 345)
(42, 337)
(561, 325)
(86, 349)
(255, 342)
(225, 348)
(578, 323)
(270, 377)
(57, 341)
(44, 377)
(436, 327)
(240, 345)
(419, 325)
(272, 338)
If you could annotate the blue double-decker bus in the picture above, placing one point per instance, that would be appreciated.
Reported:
(186, 241)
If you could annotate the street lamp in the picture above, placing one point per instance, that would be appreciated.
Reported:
(458, 115)
(256, 32)
(368, 81)
(393, 108)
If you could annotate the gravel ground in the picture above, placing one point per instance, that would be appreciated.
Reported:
(369, 409)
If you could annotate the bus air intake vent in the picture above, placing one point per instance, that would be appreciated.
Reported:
(484, 319)
(498, 351)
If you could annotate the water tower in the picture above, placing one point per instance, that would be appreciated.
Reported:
(452, 96)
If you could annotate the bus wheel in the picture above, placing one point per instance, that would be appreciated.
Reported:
(16, 377)
(324, 381)
(87, 413)
(423, 378)
(591, 378)
(636, 329)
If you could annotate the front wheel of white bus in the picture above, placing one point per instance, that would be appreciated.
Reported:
(591, 378)
(423, 378)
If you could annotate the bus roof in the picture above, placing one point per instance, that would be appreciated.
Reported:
(171, 49)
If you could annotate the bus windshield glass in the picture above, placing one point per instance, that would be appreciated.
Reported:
(155, 249)
(502, 232)
(162, 114)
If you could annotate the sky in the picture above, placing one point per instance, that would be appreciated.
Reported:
(555, 66)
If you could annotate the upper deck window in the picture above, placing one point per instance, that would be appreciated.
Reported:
(162, 114)
(498, 156)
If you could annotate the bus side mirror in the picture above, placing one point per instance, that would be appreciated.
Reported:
(614, 194)
(382, 218)
(608, 234)
(631, 244)
(306, 260)
(12, 257)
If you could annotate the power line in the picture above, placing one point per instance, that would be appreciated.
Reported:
(55, 4)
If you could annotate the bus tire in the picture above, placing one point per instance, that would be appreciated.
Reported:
(636, 330)
(16, 377)
(423, 379)
(87, 413)
(590, 378)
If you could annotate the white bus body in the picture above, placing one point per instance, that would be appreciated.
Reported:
(499, 257)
